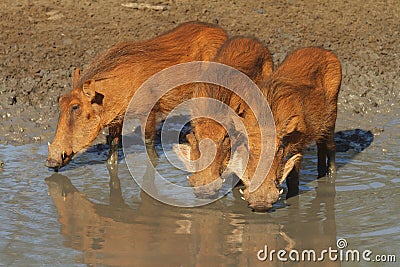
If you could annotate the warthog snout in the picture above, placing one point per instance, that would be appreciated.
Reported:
(58, 157)
(52, 163)
(260, 206)
(205, 188)
(262, 199)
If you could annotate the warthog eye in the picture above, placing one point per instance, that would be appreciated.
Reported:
(75, 107)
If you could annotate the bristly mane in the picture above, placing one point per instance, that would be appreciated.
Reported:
(121, 53)
(163, 48)
(247, 55)
(276, 89)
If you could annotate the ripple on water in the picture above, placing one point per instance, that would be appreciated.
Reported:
(368, 192)
(362, 206)
(29, 230)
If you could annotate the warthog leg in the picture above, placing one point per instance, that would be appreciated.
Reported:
(115, 132)
(292, 180)
(150, 135)
(326, 150)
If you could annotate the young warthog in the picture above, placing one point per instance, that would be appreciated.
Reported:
(302, 93)
(101, 94)
(250, 57)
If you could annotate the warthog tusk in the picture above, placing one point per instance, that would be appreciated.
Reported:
(243, 198)
(241, 191)
(281, 191)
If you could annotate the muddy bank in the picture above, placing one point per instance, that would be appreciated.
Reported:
(43, 41)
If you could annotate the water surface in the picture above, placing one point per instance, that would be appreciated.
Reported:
(74, 217)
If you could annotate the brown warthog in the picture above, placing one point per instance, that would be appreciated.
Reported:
(250, 57)
(302, 93)
(101, 94)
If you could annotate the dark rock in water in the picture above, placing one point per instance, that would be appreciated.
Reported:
(356, 139)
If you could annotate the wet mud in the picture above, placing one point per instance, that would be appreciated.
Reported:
(43, 41)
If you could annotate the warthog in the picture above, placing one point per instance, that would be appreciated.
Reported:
(101, 94)
(252, 58)
(302, 93)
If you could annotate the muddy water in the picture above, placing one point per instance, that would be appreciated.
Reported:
(75, 218)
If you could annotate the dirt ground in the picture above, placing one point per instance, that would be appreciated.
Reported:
(43, 41)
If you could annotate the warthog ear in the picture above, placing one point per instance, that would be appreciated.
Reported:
(267, 68)
(236, 162)
(289, 165)
(289, 126)
(75, 77)
(88, 89)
